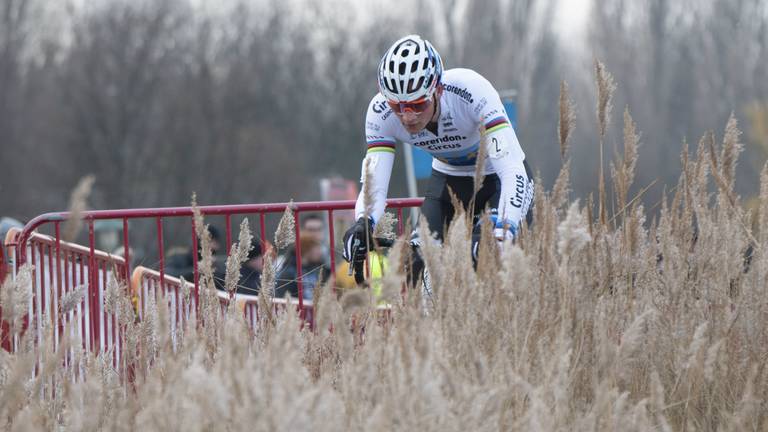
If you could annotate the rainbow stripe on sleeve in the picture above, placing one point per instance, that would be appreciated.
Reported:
(496, 124)
(381, 146)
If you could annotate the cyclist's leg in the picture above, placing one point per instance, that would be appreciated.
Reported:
(438, 208)
(462, 187)
(487, 196)
(434, 208)
(434, 212)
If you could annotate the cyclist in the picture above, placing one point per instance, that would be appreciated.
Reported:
(444, 112)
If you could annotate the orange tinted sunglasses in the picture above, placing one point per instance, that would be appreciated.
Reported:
(417, 107)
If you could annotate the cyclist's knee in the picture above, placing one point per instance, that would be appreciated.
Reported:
(415, 265)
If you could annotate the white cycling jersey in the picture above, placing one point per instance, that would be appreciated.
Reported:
(469, 105)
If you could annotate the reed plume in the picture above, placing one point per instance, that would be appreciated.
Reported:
(605, 89)
(285, 235)
(567, 119)
(78, 203)
(237, 256)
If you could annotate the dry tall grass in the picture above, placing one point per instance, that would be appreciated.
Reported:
(77, 205)
(630, 325)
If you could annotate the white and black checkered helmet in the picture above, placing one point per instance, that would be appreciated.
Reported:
(410, 70)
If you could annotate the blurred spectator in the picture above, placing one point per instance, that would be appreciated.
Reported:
(312, 227)
(378, 264)
(135, 255)
(215, 243)
(312, 224)
(250, 271)
(6, 223)
(313, 268)
(179, 261)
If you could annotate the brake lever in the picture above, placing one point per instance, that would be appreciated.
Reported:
(355, 266)
(355, 245)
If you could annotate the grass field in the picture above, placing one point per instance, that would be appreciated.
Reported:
(597, 319)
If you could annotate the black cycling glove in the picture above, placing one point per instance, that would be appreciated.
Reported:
(358, 240)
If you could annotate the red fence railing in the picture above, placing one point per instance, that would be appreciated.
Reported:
(67, 272)
(145, 285)
(3, 264)
(61, 267)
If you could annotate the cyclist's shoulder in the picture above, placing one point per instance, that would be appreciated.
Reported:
(466, 85)
(461, 75)
(379, 114)
(464, 77)
(377, 100)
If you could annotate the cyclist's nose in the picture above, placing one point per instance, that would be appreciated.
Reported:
(409, 116)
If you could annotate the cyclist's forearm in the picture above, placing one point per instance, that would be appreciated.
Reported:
(506, 157)
(380, 168)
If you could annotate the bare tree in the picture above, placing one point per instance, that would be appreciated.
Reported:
(14, 29)
(255, 103)
(682, 68)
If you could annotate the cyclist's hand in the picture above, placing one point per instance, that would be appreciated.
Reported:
(501, 230)
(355, 240)
(504, 230)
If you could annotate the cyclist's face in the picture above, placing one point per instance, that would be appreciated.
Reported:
(415, 121)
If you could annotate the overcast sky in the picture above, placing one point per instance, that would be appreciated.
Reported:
(571, 18)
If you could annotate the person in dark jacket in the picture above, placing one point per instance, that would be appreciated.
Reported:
(179, 261)
(314, 271)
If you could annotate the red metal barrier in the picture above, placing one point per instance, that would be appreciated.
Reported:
(5, 342)
(59, 269)
(145, 284)
(3, 266)
(90, 268)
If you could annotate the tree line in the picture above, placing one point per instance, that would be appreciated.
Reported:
(254, 101)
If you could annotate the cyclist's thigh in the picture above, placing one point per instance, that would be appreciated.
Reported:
(434, 208)
(462, 187)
